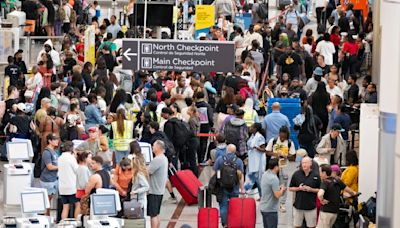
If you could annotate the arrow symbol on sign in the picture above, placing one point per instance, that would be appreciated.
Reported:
(127, 54)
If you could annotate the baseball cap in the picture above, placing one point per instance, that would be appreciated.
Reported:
(337, 127)
(301, 152)
(233, 106)
(92, 129)
(21, 107)
(318, 71)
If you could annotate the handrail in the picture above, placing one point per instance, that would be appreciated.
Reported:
(265, 76)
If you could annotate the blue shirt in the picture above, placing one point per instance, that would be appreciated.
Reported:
(230, 156)
(273, 122)
(114, 29)
(93, 116)
(344, 121)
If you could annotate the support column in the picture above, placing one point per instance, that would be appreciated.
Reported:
(389, 99)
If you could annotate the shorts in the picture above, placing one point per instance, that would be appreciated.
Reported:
(51, 187)
(68, 199)
(154, 205)
(309, 215)
(326, 219)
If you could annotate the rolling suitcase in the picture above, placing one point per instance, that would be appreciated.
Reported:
(207, 217)
(186, 183)
(242, 213)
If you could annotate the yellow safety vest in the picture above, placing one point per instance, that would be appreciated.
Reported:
(121, 142)
(249, 116)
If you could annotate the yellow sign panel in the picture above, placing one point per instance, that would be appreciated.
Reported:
(175, 15)
(205, 16)
(90, 52)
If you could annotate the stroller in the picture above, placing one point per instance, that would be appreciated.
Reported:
(348, 212)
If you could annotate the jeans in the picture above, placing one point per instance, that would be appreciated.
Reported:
(253, 178)
(119, 154)
(223, 204)
(270, 219)
(283, 180)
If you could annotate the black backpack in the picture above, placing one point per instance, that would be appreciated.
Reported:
(262, 10)
(182, 133)
(229, 176)
(169, 150)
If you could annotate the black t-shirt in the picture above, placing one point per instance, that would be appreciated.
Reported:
(22, 66)
(290, 64)
(297, 92)
(22, 123)
(232, 81)
(31, 9)
(332, 188)
(13, 72)
(353, 93)
(305, 200)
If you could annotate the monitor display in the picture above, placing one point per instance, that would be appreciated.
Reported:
(103, 204)
(157, 14)
(147, 151)
(18, 151)
(33, 202)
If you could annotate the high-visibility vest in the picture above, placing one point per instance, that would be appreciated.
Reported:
(121, 142)
(249, 116)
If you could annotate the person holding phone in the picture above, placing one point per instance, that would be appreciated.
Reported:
(271, 192)
(305, 184)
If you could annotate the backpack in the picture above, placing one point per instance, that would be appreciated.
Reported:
(262, 10)
(72, 17)
(61, 13)
(229, 176)
(182, 133)
(126, 82)
(234, 134)
(64, 132)
(170, 152)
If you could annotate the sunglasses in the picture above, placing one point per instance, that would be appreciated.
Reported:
(126, 168)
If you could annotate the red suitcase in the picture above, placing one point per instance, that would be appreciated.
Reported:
(242, 213)
(208, 218)
(187, 185)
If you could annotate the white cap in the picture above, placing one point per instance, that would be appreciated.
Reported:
(21, 107)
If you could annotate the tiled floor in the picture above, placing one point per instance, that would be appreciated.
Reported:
(171, 215)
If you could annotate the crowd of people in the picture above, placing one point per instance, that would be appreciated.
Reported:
(195, 119)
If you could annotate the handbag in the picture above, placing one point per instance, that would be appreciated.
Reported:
(133, 209)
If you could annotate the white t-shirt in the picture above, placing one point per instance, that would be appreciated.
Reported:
(320, 3)
(334, 91)
(67, 167)
(187, 92)
(67, 9)
(326, 49)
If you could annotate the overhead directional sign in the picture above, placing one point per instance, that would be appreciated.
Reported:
(198, 56)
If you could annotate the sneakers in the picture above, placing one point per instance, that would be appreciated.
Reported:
(282, 208)
(252, 191)
(173, 200)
